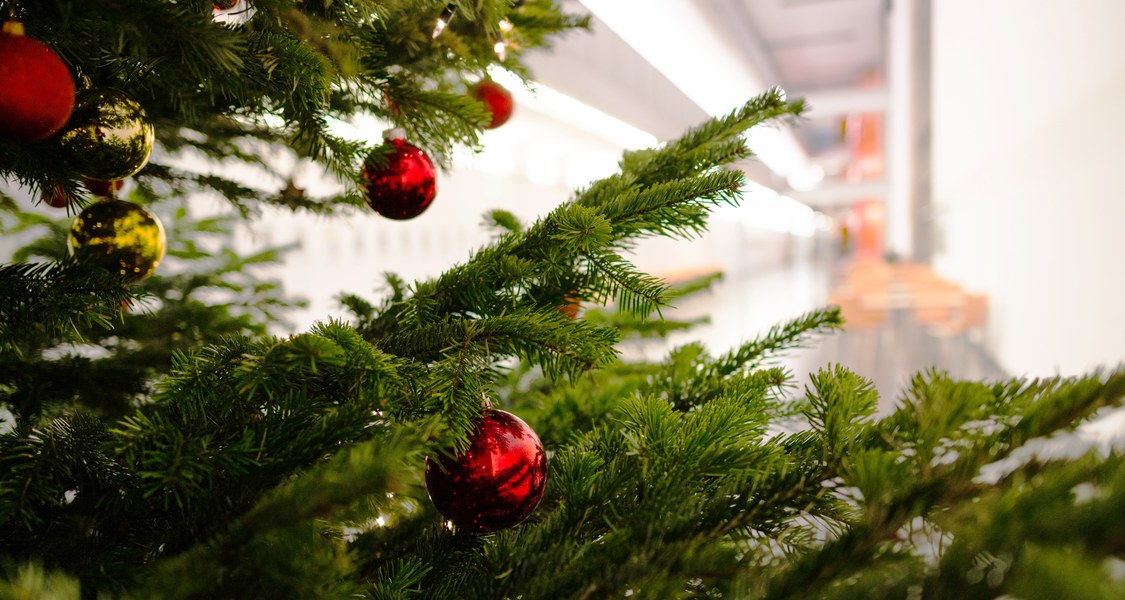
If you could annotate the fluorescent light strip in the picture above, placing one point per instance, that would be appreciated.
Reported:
(675, 37)
(581, 116)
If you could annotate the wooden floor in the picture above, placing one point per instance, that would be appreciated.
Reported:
(903, 320)
(892, 352)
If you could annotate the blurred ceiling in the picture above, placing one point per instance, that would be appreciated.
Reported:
(807, 44)
(832, 52)
(829, 51)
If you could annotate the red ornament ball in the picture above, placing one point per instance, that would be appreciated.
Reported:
(404, 186)
(232, 12)
(497, 482)
(572, 306)
(497, 99)
(56, 197)
(104, 189)
(36, 89)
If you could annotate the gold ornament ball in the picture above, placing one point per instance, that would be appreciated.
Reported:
(119, 236)
(108, 136)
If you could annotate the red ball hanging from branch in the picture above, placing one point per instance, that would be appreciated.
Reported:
(497, 482)
(401, 182)
(36, 89)
(233, 12)
(572, 305)
(497, 99)
(102, 188)
(56, 197)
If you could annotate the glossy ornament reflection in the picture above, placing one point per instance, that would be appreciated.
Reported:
(56, 197)
(404, 185)
(498, 100)
(108, 137)
(233, 12)
(103, 189)
(36, 89)
(497, 482)
(119, 236)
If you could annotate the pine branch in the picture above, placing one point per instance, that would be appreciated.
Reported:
(56, 300)
(691, 377)
(577, 241)
(778, 339)
(889, 505)
(359, 471)
(553, 342)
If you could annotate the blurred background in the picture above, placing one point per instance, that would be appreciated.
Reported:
(956, 187)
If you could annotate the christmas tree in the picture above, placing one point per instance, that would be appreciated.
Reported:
(159, 443)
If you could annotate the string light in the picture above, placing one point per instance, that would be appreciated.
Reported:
(501, 47)
(444, 18)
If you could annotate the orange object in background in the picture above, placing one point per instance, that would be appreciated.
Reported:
(865, 139)
(572, 306)
(870, 289)
(864, 133)
(868, 223)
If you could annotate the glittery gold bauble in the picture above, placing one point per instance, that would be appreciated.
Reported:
(120, 236)
(108, 136)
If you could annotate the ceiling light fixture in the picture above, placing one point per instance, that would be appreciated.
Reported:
(573, 112)
(701, 63)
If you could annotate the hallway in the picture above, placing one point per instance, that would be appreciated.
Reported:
(889, 352)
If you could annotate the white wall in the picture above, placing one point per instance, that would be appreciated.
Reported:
(528, 167)
(1029, 174)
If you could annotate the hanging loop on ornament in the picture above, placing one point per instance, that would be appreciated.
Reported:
(394, 133)
(485, 400)
(82, 81)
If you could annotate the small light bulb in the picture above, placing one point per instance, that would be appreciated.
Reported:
(443, 19)
(501, 48)
(440, 27)
(505, 25)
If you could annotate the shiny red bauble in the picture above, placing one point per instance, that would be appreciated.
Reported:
(36, 89)
(497, 99)
(104, 189)
(56, 197)
(497, 482)
(404, 185)
(572, 306)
